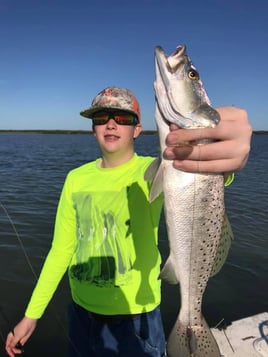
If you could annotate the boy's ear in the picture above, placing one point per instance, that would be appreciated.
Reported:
(137, 131)
(93, 129)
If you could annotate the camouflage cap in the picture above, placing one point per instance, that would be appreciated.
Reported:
(113, 98)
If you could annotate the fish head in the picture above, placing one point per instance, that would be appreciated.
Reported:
(180, 94)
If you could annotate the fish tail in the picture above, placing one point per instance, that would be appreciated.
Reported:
(192, 341)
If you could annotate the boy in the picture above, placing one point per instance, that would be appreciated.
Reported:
(106, 231)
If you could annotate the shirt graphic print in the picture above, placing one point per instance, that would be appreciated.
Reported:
(103, 254)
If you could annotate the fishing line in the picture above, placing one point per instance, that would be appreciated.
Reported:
(56, 315)
(19, 240)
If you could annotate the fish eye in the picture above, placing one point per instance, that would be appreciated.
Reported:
(192, 74)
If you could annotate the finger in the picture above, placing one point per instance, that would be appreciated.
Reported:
(179, 152)
(178, 136)
(231, 112)
(14, 351)
(226, 129)
(13, 345)
(10, 353)
(10, 337)
(213, 166)
(173, 127)
(206, 152)
(10, 343)
(221, 132)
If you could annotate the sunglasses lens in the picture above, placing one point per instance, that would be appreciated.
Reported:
(121, 118)
(100, 118)
(124, 118)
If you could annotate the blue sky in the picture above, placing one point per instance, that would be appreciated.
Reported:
(56, 55)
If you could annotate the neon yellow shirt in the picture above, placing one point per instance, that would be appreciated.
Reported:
(106, 233)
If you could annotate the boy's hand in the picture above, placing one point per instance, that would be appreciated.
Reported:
(227, 153)
(17, 338)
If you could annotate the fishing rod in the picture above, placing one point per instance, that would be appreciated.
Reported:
(56, 315)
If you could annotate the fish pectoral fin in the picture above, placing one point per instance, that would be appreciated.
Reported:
(157, 185)
(152, 169)
(168, 273)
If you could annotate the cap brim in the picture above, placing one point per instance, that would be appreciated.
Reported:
(87, 113)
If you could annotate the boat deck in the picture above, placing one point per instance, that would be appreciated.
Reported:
(247, 337)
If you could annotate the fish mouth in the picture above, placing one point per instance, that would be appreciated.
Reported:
(169, 64)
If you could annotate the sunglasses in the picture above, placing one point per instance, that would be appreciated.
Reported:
(120, 117)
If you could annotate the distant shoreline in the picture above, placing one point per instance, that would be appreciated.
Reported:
(37, 131)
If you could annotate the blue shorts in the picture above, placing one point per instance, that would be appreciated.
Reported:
(91, 335)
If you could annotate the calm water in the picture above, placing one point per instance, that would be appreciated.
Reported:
(32, 171)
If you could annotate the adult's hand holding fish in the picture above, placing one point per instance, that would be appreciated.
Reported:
(228, 153)
(17, 338)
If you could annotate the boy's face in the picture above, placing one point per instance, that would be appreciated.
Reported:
(116, 138)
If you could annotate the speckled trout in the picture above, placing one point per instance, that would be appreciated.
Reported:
(198, 230)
